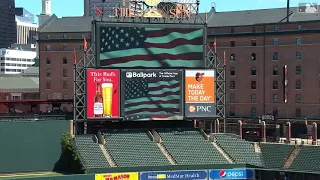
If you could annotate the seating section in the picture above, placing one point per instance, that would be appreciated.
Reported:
(307, 159)
(275, 155)
(239, 150)
(90, 152)
(134, 149)
(189, 147)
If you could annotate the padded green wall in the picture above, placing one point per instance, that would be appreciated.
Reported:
(30, 146)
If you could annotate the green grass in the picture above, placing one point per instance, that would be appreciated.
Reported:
(29, 175)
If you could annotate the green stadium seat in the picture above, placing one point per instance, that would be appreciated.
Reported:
(90, 152)
(133, 148)
(239, 150)
(275, 155)
(189, 148)
(307, 159)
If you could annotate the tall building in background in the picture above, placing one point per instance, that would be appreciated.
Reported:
(8, 23)
(90, 6)
(14, 61)
(26, 28)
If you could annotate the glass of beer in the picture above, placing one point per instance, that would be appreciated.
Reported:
(107, 89)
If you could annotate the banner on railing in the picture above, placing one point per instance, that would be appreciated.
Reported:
(175, 175)
(118, 176)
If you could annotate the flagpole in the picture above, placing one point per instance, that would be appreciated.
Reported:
(215, 47)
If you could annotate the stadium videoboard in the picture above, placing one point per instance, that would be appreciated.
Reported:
(200, 93)
(102, 93)
(123, 45)
(149, 94)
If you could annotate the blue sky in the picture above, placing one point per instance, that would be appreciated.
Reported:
(75, 7)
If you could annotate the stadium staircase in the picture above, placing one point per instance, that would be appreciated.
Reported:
(307, 159)
(133, 148)
(157, 139)
(189, 147)
(90, 152)
(239, 150)
(275, 155)
(295, 152)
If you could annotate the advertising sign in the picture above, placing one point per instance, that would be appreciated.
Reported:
(102, 93)
(151, 92)
(175, 175)
(200, 93)
(231, 174)
(118, 176)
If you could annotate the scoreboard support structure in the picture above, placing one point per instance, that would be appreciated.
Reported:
(88, 60)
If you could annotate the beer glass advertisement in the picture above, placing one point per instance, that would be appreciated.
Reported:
(151, 94)
(200, 93)
(102, 93)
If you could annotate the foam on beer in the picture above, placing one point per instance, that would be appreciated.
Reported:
(106, 85)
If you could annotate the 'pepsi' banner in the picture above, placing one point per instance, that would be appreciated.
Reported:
(175, 175)
(232, 174)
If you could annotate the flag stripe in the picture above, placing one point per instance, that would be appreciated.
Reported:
(147, 111)
(157, 32)
(185, 59)
(147, 103)
(152, 64)
(173, 36)
(143, 51)
(154, 99)
(156, 118)
(173, 43)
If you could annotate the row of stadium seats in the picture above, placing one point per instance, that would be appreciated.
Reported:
(189, 147)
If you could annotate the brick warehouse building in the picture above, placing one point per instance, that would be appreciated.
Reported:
(260, 44)
(257, 47)
(58, 38)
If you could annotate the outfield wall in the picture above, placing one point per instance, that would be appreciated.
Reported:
(31, 146)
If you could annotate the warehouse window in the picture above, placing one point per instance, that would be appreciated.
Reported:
(253, 71)
(232, 98)
(253, 57)
(48, 85)
(275, 85)
(253, 112)
(232, 85)
(298, 55)
(253, 98)
(298, 98)
(298, 70)
(48, 60)
(298, 84)
(232, 111)
(298, 112)
(48, 72)
(253, 84)
(232, 57)
(275, 98)
(275, 70)
(275, 56)
(232, 71)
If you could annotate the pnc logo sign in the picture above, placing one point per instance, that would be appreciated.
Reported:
(192, 109)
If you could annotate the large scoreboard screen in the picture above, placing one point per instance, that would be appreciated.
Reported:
(150, 46)
(149, 94)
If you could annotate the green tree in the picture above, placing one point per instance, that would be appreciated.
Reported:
(70, 159)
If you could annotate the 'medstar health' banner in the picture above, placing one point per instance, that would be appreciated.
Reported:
(231, 174)
(175, 175)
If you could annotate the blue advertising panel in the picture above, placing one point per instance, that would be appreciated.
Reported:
(175, 175)
(231, 174)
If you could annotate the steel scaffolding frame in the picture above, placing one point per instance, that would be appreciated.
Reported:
(88, 61)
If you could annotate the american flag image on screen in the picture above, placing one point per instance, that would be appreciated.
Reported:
(155, 99)
(150, 47)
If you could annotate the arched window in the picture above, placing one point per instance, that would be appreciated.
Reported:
(232, 57)
(298, 55)
(275, 56)
(253, 56)
(48, 60)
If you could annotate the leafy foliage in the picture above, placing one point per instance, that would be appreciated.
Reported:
(70, 159)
